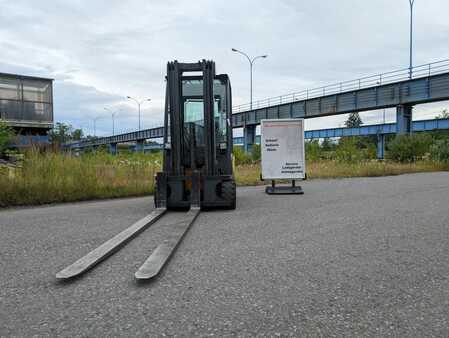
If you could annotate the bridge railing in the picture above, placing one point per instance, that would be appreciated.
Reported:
(420, 71)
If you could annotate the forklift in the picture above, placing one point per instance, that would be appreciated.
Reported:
(198, 166)
(197, 169)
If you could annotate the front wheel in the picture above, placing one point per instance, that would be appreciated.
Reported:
(155, 194)
(229, 194)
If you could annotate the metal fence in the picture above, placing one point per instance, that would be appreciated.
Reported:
(421, 71)
(24, 98)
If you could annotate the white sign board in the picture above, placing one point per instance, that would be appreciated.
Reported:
(282, 146)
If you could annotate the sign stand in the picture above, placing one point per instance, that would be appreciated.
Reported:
(284, 190)
(283, 155)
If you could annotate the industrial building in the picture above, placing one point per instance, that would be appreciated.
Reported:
(26, 104)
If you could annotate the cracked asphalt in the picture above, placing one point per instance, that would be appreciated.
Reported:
(351, 257)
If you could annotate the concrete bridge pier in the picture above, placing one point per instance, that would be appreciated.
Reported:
(140, 146)
(404, 119)
(380, 146)
(249, 137)
(113, 148)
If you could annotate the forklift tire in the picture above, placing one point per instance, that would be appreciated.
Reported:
(229, 194)
(155, 194)
(155, 201)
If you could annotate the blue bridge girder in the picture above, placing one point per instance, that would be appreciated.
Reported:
(374, 129)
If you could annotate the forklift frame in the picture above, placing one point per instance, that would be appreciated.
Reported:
(183, 184)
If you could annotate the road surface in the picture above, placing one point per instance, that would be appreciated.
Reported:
(351, 257)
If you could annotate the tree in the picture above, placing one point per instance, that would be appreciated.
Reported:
(77, 134)
(353, 120)
(6, 134)
(443, 115)
(61, 133)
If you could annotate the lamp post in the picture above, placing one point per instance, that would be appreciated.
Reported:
(251, 62)
(412, 2)
(113, 113)
(95, 125)
(138, 104)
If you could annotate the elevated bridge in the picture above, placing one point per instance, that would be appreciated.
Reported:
(428, 83)
(401, 89)
(375, 129)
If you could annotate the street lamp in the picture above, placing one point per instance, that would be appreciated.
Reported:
(412, 2)
(138, 104)
(95, 125)
(251, 62)
(113, 113)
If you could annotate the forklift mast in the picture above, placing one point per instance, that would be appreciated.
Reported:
(175, 114)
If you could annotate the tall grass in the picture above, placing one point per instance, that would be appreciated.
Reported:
(48, 177)
(51, 177)
(250, 174)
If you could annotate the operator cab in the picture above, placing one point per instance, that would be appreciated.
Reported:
(194, 135)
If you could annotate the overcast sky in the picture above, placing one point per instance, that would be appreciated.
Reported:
(99, 52)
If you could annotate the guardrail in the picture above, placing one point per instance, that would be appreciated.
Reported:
(420, 71)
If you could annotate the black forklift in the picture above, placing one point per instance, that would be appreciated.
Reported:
(197, 170)
(198, 166)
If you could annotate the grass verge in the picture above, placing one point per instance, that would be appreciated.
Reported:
(52, 177)
(250, 174)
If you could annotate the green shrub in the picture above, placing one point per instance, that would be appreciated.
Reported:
(328, 144)
(255, 153)
(6, 134)
(370, 152)
(347, 150)
(439, 151)
(313, 150)
(241, 156)
(409, 148)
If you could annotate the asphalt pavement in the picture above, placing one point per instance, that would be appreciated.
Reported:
(351, 257)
